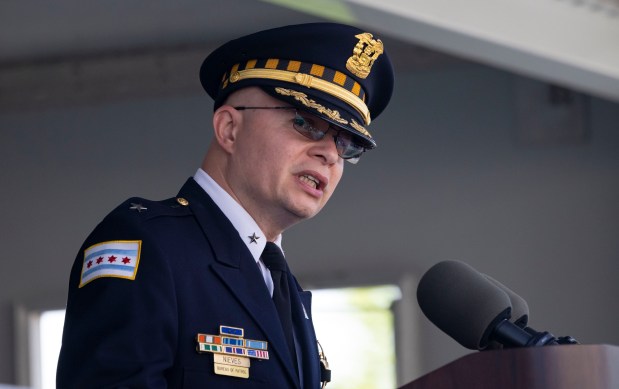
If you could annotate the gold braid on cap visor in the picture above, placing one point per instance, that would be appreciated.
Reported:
(304, 79)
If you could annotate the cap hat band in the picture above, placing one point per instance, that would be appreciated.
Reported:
(318, 77)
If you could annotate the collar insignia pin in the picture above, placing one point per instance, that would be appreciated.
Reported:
(253, 238)
(137, 207)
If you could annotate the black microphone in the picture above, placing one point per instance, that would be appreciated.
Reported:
(471, 309)
(520, 308)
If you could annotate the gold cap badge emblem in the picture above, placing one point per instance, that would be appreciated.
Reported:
(364, 54)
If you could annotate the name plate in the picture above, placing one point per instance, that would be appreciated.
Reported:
(233, 371)
(231, 360)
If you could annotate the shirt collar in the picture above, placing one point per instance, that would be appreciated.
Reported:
(242, 221)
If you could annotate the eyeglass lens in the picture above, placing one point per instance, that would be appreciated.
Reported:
(344, 143)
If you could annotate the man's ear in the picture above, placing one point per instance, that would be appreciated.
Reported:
(226, 123)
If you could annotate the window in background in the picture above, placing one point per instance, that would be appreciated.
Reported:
(50, 339)
(355, 327)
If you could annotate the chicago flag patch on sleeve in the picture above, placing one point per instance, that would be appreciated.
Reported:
(118, 258)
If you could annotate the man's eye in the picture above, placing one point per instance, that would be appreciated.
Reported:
(299, 121)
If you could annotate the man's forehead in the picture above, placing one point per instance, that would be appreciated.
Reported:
(249, 94)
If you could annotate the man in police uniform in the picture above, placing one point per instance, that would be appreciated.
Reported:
(186, 292)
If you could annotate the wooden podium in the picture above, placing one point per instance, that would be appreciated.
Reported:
(549, 367)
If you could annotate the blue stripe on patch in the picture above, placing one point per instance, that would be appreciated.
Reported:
(111, 251)
(125, 268)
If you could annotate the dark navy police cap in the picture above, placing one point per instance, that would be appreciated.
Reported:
(337, 72)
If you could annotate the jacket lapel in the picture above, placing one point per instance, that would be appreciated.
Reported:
(304, 329)
(237, 269)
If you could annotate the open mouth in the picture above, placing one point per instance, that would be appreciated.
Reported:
(310, 180)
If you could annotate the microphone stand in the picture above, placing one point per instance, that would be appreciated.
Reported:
(511, 335)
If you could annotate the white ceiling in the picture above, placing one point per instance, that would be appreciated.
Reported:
(569, 43)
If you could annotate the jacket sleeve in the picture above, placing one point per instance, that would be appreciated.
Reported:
(119, 332)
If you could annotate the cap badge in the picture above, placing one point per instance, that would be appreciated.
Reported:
(364, 54)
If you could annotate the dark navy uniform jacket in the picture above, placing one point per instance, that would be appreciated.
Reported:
(194, 274)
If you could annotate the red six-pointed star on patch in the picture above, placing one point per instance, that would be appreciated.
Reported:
(111, 259)
(126, 260)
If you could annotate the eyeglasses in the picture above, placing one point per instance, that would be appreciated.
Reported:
(345, 145)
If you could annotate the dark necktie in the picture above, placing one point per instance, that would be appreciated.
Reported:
(274, 260)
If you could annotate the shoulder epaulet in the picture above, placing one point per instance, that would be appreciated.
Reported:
(113, 248)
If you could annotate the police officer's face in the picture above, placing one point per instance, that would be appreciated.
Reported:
(281, 173)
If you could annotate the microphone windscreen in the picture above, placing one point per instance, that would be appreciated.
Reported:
(462, 302)
(520, 308)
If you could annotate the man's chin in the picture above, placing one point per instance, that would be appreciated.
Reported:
(305, 212)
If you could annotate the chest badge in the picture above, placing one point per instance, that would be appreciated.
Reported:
(232, 353)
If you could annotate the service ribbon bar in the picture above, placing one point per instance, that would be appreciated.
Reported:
(233, 341)
(235, 350)
(256, 344)
(206, 347)
(233, 331)
(203, 338)
(260, 354)
(230, 342)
